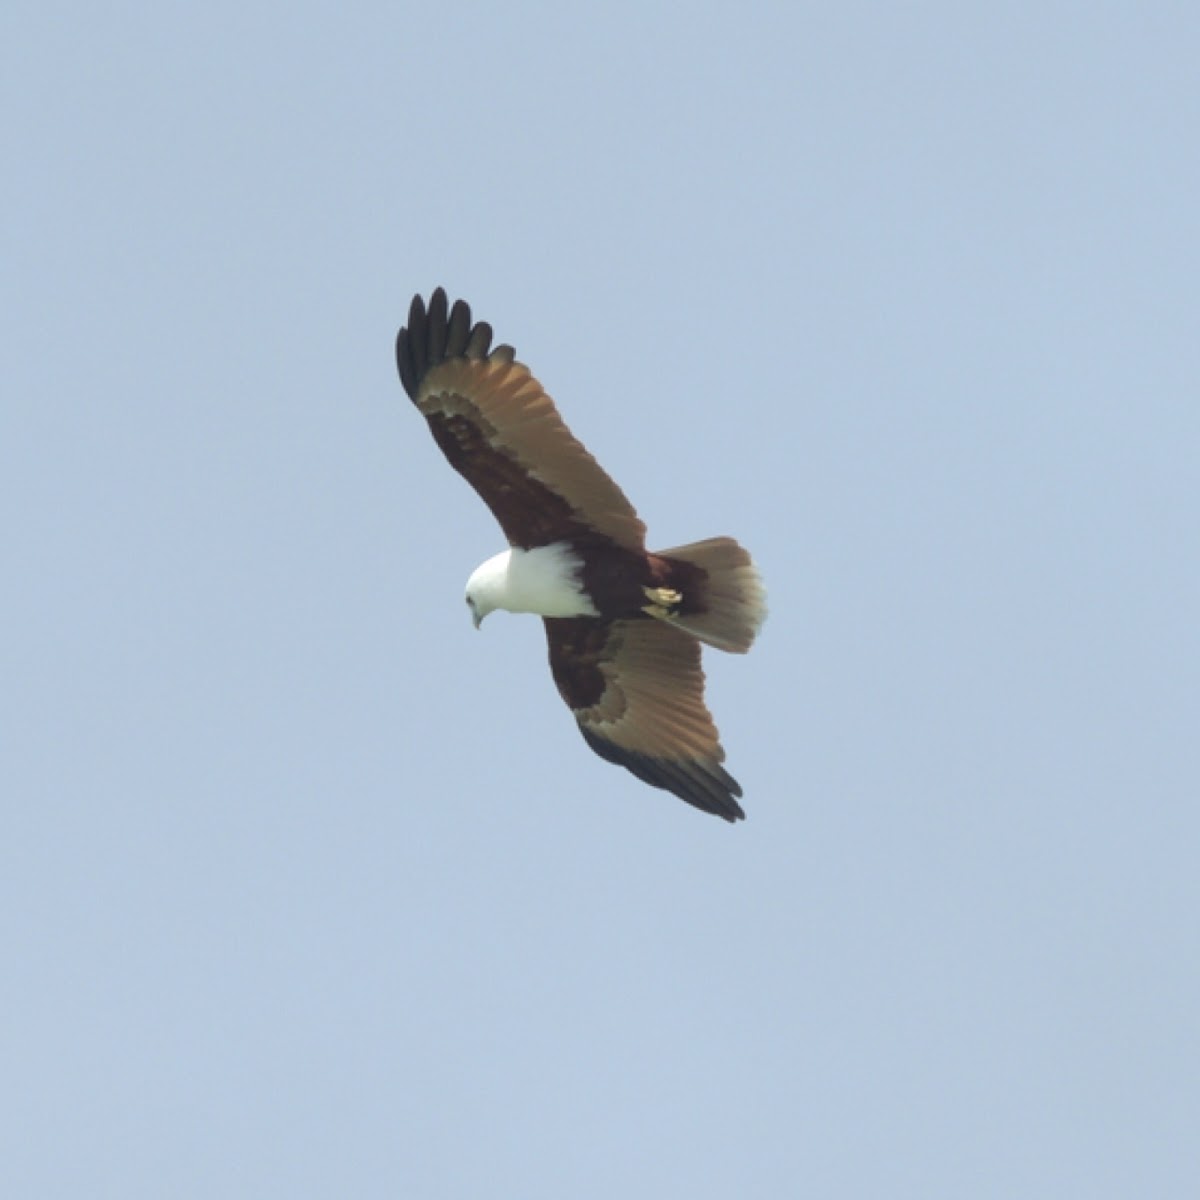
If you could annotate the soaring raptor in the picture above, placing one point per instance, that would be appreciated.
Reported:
(624, 623)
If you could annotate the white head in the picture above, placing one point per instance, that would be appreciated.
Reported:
(487, 586)
(542, 580)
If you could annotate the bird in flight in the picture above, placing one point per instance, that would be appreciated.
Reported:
(624, 624)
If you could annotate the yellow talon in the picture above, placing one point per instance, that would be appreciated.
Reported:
(662, 597)
(664, 602)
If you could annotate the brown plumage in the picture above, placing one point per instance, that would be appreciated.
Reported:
(622, 623)
(637, 690)
(502, 433)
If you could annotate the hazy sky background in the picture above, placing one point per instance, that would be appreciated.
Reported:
(309, 890)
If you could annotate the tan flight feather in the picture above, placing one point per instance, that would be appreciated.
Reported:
(653, 703)
(514, 414)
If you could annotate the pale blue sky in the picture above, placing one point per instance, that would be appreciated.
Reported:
(309, 890)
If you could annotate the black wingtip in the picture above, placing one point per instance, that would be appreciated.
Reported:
(412, 346)
(437, 332)
(710, 789)
(435, 327)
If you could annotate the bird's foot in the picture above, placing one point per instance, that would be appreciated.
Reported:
(664, 602)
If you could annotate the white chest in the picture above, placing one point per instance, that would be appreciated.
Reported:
(545, 581)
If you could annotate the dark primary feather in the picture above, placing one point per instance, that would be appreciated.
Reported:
(429, 339)
(688, 780)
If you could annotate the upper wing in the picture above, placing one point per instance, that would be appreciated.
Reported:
(637, 691)
(502, 433)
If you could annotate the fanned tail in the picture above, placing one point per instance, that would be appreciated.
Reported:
(735, 601)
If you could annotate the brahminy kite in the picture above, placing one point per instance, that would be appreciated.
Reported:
(624, 624)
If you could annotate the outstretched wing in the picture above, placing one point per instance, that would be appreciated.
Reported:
(637, 690)
(502, 433)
